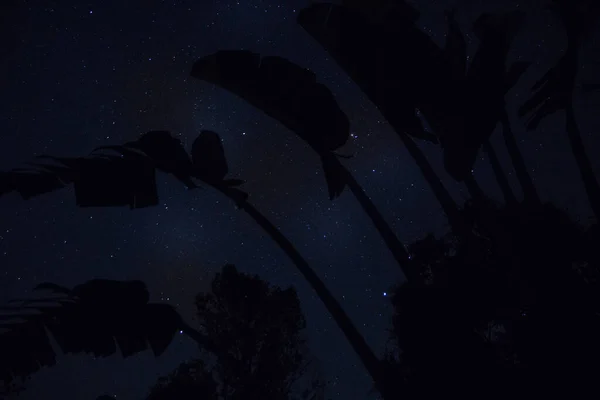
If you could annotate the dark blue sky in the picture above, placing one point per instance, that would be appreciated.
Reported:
(77, 75)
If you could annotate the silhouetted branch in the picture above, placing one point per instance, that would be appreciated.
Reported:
(389, 237)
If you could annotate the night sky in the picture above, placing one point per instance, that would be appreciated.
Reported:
(76, 75)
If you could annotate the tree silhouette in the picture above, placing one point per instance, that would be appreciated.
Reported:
(554, 91)
(395, 64)
(291, 94)
(501, 311)
(257, 331)
(99, 317)
(190, 381)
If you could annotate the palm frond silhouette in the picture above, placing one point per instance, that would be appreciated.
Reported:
(292, 95)
(99, 317)
(165, 151)
(554, 91)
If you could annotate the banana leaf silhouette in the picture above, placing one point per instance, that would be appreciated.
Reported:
(399, 68)
(165, 150)
(395, 64)
(554, 91)
(471, 119)
(29, 182)
(208, 158)
(455, 48)
(291, 94)
(486, 83)
(97, 317)
(391, 13)
(166, 153)
(210, 166)
(288, 93)
(98, 181)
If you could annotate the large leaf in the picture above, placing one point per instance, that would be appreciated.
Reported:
(107, 181)
(554, 90)
(29, 183)
(391, 13)
(102, 179)
(210, 165)
(456, 48)
(208, 157)
(515, 72)
(484, 90)
(165, 151)
(98, 181)
(579, 17)
(281, 89)
(117, 182)
(288, 93)
(91, 318)
(399, 69)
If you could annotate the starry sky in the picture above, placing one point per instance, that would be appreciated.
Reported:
(75, 75)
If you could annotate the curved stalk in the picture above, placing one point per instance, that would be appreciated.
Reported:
(357, 341)
(389, 237)
(440, 192)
